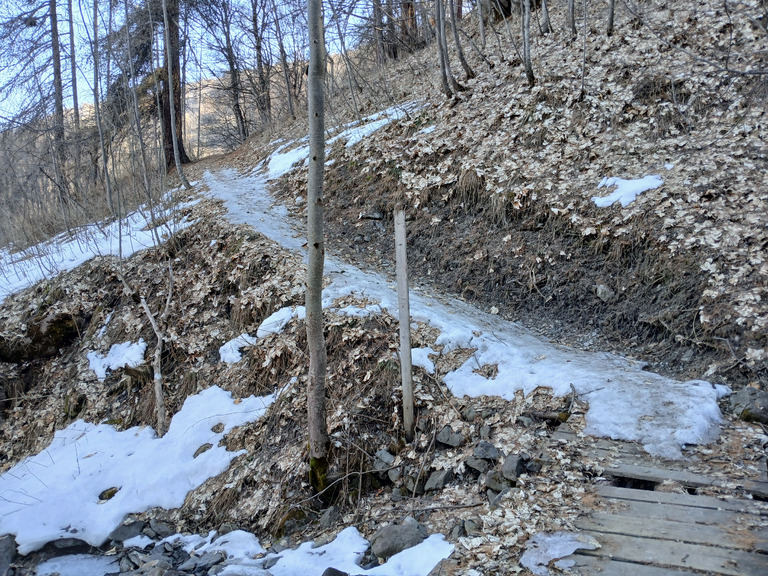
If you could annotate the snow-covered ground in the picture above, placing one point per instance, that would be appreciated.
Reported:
(85, 460)
(138, 231)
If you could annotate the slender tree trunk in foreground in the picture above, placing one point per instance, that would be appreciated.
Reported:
(316, 417)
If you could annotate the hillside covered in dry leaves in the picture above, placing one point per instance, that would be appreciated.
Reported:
(498, 184)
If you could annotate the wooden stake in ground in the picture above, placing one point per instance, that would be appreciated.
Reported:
(404, 313)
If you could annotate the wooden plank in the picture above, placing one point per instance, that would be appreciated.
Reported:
(615, 447)
(735, 505)
(591, 565)
(678, 554)
(731, 536)
(674, 513)
(653, 474)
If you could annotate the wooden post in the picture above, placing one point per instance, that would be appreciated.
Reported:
(404, 312)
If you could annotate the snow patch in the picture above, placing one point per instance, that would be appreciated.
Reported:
(119, 356)
(626, 190)
(420, 357)
(230, 352)
(55, 494)
(275, 323)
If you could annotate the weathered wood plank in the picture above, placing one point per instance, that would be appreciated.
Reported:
(673, 513)
(653, 474)
(731, 536)
(743, 506)
(678, 554)
(592, 565)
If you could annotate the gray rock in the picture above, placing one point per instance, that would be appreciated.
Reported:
(399, 494)
(472, 528)
(751, 405)
(411, 521)
(383, 460)
(162, 529)
(469, 413)
(495, 481)
(412, 485)
(210, 559)
(449, 437)
(485, 432)
(7, 552)
(458, 531)
(438, 480)
(391, 539)
(393, 474)
(487, 450)
(478, 464)
(227, 527)
(605, 293)
(71, 544)
(188, 565)
(128, 529)
(513, 466)
(330, 517)
(270, 561)
(532, 466)
(334, 572)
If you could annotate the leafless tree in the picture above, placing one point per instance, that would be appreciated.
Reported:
(316, 412)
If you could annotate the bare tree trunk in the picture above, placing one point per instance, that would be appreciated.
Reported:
(177, 151)
(283, 61)
(378, 31)
(73, 67)
(97, 107)
(75, 104)
(527, 43)
(454, 85)
(391, 36)
(546, 26)
(172, 87)
(611, 9)
(464, 64)
(441, 55)
(263, 101)
(481, 23)
(571, 18)
(316, 414)
(347, 63)
(58, 103)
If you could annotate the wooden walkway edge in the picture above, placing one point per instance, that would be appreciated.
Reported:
(654, 533)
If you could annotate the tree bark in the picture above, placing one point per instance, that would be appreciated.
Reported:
(263, 101)
(316, 413)
(611, 10)
(464, 64)
(174, 121)
(283, 61)
(571, 17)
(58, 99)
(172, 125)
(527, 43)
(546, 26)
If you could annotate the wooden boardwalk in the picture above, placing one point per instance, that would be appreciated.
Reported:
(645, 532)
